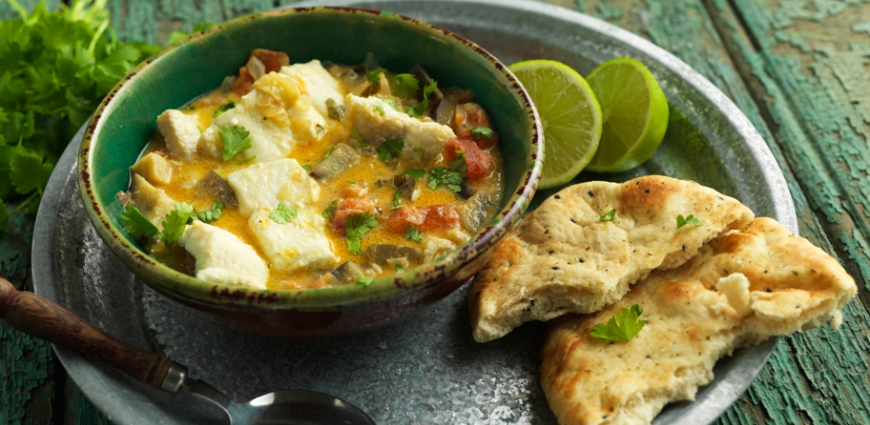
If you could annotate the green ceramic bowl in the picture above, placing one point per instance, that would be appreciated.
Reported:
(126, 120)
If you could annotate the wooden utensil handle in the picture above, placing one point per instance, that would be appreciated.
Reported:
(44, 319)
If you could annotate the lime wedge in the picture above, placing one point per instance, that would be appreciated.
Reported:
(635, 114)
(570, 115)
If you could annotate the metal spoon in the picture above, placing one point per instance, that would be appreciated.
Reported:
(44, 319)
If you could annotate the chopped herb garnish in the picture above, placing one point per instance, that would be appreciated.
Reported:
(201, 130)
(451, 177)
(330, 209)
(307, 167)
(406, 85)
(399, 268)
(350, 182)
(247, 160)
(173, 224)
(328, 153)
(283, 214)
(374, 76)
(209, 215)
(355, 227)
(481, 133)
(391, 102)
(690, 219)
(380, 110)
(417, 174)
(622, 326)
(391, 149)
(417, 110)
(397, 201)
(365, 280)
(236, 139)
(419, 150)
(137, 225)
(609, 216)
(223, 108)
(414, 234)
(359, 140)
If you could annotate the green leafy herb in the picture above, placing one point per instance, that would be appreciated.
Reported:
(355, 227)
(236, 139)
(451, 177)
(365, 280)
(406, 85)
(417, 110)
(690, 219)
(328, 153)
(178, 35)
(622, 326)
(481, 133)
(609, 216)
(173, 224)
(414, 234)
(209, 215)
(307, 167)
(137, 225)
(399, 268)
(230, 105)
(417, 174)
(397, 201)
(391, 102)
(251, 158)
(359, 140)
(330, 209)
(391, 149)
(283, 214)
(380, 110)
(55, 67)
(374, 76)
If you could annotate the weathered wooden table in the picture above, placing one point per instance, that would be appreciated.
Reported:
(797, 68)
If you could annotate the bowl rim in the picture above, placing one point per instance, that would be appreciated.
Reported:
(235, 297)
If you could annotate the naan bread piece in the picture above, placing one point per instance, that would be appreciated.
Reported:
(739, 290)
(563, 259)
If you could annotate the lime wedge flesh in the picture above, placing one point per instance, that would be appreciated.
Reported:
(570, 115)
(635, 114)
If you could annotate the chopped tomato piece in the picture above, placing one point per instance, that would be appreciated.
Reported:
(469, 116)
(478, 164)
(424, 218)
(348, 207)
(271, 60)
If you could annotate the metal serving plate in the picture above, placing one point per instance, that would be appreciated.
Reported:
(427, 370)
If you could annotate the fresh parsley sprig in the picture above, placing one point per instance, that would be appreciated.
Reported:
(481, 133)
(236, 139)
(414, 234)
(417, 110)
(451, 177)
(355, 227)
(689, 219)
(330, 209)
(406, 85)
(209, 215)
(622, 327)
(284, 213)
(374, 76)
(173, 224)
(391, 149)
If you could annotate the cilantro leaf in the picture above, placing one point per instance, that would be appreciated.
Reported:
(391, 149)
(689, 219)
(481, 133)
(209, 215)
(307, 167)
(609, 216)
(236, 139)
(28, 173)
(330, 209)
(173, 224)
(451, 177)
(225, 107)
(417, 174)
(414, 234)
(328, 153)
(284, 213)
(355, 227)
(406, 85)
(622, 326)
(360, 142)
(137, 225)
(397, 201)
(365, 280)
(417, 110)
(374, 76)
(380, 110)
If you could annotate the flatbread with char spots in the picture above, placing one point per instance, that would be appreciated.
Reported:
(740, 289)
(564, 258)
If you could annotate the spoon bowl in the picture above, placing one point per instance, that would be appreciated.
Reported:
(39, 317)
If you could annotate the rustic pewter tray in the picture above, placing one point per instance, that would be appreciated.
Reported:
(428, 369)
